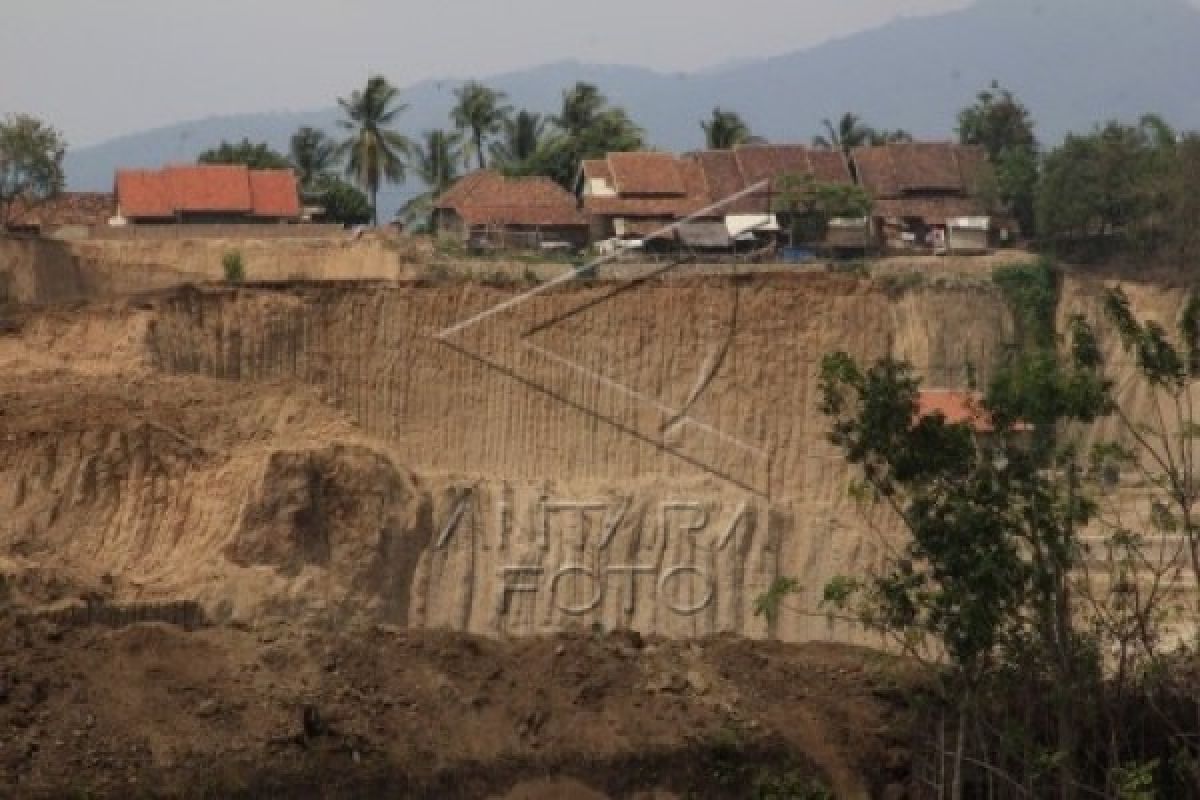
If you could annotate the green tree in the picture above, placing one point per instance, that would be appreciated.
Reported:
(375, 152)
(1103, 184)
(521, 138)
(313, 154)
(998, 122)
(882, 137)
(436, 159)
(1003, 126)
(986, 576)
(581, 104)
(342, 202)
(480, 112)
(726, 130)
(256, 155)
(849, 132)
(31, 163)
(589, 128)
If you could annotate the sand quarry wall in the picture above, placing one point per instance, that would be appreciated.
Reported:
(651, 458)
(648, 457)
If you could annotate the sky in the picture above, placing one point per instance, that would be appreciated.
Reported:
(100, 68)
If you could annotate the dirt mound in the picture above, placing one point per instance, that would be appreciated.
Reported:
(152, 711)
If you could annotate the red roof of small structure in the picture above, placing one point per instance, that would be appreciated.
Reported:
(489, 198)
(208, 188)
(959, 407)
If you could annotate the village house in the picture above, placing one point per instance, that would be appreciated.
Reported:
(65, 215)
(764, 212)
(926, 195)
(488, 210)
(634, 196)
(206, 194)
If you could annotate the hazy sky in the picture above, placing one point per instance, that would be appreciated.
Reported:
(96, 68)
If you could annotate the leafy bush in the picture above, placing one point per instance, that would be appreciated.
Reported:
(234, 266)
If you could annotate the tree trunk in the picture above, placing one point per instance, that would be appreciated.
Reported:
(479, 149)
(375, 204)
(960, 743)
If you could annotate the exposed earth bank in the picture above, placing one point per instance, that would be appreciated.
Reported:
(150, 710)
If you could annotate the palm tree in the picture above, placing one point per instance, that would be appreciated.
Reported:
(521, 137)
(480, 111)
(581, 104)
(849, 133)
(727, 130)
(376, 152)
(436, 160)
(313, 154)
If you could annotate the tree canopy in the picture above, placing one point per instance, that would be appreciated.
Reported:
(31, 162)
(1003, 126)
(314, 155)
(479, 112)
(256, 155)
(725, 130)
(375, 152)
(436, 161)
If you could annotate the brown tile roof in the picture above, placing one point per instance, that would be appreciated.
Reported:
(773, 161)
(488, 198)
(66, 208)
(597, 169)
(721, 171)
(690, 191)
(209, 188)
(897, 169)
(647, 174)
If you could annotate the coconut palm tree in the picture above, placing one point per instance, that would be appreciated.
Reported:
(481, 112)
(849, 133)
(313, 155)
(727, 130)
(435, 160)
(581, 104)
(521, 138)
(376, 152)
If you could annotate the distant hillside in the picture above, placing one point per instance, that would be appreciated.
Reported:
(1075, 62)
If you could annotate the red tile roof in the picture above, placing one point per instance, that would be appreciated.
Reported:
(211, 188)
(895, 170)
(144, 194)
(273, 193)
(956, 407)
(221, 189)
(486, 197)
(647, 174)
(66, 208)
